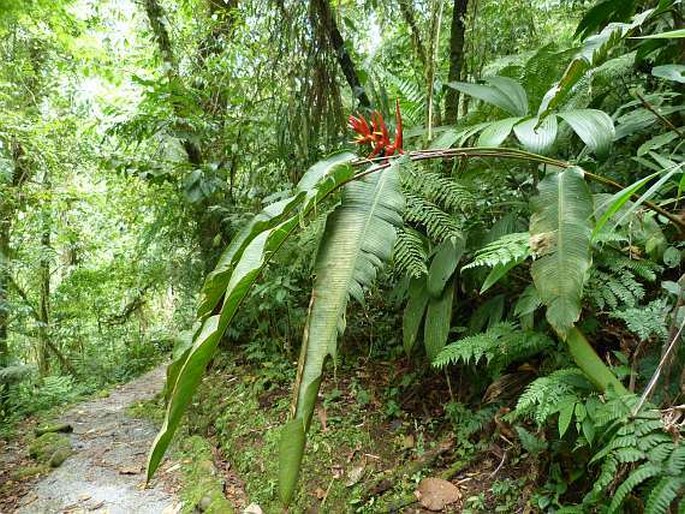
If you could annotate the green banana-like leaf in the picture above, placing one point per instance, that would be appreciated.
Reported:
(593, 126)
(237, 270)
(497, 132)
(443, 265)
(537, 136)
(503, 92)
(560, 229)
(358, 240)
(413, 312)
(436, 329)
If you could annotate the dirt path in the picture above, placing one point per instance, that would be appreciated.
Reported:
(106, 472)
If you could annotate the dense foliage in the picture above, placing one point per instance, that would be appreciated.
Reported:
(515, 224)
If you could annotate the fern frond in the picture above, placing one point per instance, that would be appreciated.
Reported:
(645, 321)
(545, 395)
(644, 472)
(663, 494)
(499, 346)
(438, 224)
(502, 251)
(410, 256)
(446, 192)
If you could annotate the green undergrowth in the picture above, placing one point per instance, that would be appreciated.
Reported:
(361, 428)
(203, 489)
(244, 407)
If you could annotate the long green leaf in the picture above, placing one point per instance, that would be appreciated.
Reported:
(618, 200)
(443, 265)
(593, 126)
(671, 34)
(502, 92)
(413, 313)
(537, 136)
(357, 242)
(438, 322)
(653, 189)
(497, 132)
(560, 235)
(237, 270)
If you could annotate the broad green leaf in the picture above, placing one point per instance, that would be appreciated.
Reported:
(438, 322)
(560, 232)
(237, 270)
(497, 132)
(513, 90)
(534, 138)
(446, 139)
(206, 341)
(594, 127)
(443, 265)
(502, 92)
(358, 240)
(413, 313)
(325, 175)
(674, 72)
(468, 132)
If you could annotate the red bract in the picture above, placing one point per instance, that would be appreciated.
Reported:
(376, 133)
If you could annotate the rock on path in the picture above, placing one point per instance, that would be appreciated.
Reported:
(105, 474)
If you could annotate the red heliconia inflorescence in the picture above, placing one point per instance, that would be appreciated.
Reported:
(376, 133)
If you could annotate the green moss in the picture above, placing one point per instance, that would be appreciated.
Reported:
(59, 456)
(23, 472)
(44, 447)
(203, 489)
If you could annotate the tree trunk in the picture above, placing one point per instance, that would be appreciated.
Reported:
(409, 17)
(5, 221)
(44, 307)
(20, 174)
(325, 17)
(456, 69)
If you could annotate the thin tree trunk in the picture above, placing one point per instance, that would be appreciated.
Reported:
(335, 39)
(44, 306)
(5, 221)
(436, 22)
(457, 33)
(409, 17)
(20, 175)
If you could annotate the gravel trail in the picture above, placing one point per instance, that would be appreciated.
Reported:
(105, 474)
